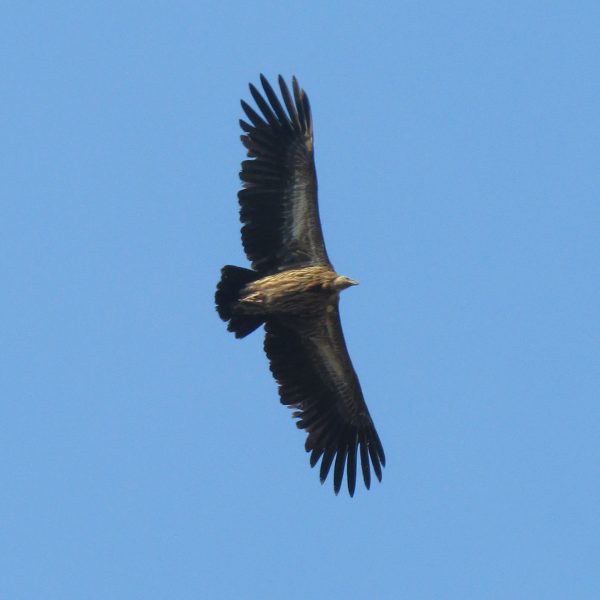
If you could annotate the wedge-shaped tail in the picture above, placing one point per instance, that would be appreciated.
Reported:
(233, 281)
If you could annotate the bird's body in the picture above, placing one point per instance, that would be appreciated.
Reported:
(293, 289)
(293, 292)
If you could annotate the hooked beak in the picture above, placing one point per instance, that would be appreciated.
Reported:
(342, 282)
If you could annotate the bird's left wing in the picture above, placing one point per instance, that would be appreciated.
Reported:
(278, 204)
(310, 362)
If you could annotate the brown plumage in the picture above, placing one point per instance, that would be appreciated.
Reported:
(294, 290)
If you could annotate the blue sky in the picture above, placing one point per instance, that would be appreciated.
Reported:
(145, 453)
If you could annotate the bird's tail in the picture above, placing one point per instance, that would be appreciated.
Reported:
(233, 281)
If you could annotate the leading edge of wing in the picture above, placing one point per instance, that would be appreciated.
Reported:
(278, 202)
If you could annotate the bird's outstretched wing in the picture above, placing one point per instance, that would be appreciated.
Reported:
(310, 361)
(281, 227)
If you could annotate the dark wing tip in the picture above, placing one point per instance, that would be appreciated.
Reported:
(289, 104)
(297, 112)
(264, 82)
(340, 463)
(326, 463)
(364, 461)
(351, 465)
(375, 460)
(341, 451)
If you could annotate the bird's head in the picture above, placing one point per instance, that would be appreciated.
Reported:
(341, 282)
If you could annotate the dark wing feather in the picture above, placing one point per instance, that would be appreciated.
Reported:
(278, 203)
(310, 361)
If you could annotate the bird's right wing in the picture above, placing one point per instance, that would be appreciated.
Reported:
(310, 362)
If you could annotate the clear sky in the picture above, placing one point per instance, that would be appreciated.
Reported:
(144, 450)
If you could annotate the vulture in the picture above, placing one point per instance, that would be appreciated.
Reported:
(293, 290)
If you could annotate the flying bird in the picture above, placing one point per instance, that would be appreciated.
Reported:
(293, 290)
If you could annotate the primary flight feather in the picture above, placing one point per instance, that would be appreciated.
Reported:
(293, 288)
